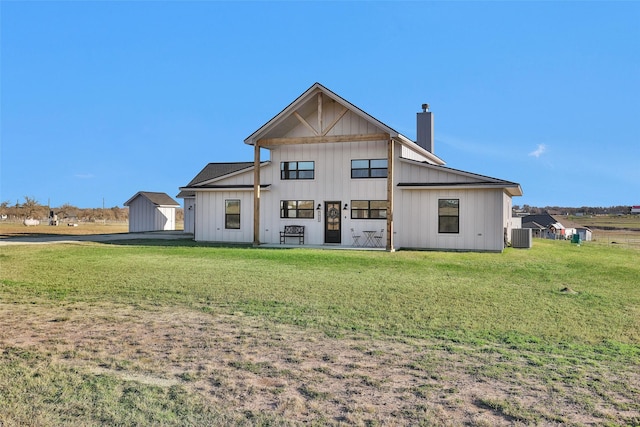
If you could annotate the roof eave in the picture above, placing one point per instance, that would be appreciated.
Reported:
(510, 189)
(228, 175)
(247, 187)
(251, 139)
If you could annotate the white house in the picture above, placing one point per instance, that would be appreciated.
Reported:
(340, 173)
(151, 211)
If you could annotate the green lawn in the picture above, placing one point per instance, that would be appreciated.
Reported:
(516, 295)
(554, 301)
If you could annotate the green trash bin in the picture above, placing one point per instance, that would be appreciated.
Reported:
(575, 238)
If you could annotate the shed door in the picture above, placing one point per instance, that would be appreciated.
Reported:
(332, 218)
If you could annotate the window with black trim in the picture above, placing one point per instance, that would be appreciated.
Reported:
(232, 214)
(297, 170)
(368, 209)
(296, 209)
(369, 168)
(448, 215)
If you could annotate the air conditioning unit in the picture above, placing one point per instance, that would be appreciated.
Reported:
(521, 238)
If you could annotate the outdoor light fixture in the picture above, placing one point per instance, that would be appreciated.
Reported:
(346, 207)
(319, 207)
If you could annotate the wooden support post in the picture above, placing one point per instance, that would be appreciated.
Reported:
(256, 194)
(390, 156)
(320, 113)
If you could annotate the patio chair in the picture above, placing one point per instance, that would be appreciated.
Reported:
(378, 238)
(355, 237)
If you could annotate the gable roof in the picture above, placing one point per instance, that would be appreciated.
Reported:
(544, 220)
(566, 222)
(158, 199)
(305, 104)
(533, 224)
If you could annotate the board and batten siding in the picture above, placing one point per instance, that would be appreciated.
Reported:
(332, 182)
(189, 214)
(481, 220)
(145, 216)
(507, 216)
(349, 124)
(408, 171)
(332, 177)
(210, 211)
(407, 153)
(484, 213)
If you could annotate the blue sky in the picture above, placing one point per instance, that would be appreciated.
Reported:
(100, 100)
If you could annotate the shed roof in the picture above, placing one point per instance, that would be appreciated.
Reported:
(158, 199)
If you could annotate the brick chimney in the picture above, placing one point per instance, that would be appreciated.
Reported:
(424, 134)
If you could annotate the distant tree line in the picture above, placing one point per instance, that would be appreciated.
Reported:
(583, 210)
(32, 209)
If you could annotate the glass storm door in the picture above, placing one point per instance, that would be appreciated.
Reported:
(332, 220)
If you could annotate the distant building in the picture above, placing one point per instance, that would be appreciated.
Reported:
(550, 227)
(635, 209)
(584, 233)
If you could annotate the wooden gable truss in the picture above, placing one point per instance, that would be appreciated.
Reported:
(320, 136)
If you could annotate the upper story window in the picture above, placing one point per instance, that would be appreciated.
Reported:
(448, 215)
(368, 209)
(370, 168)
(296, 209)
(232, 214)
(297, 170)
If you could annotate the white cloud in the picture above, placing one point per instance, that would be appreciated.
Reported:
(538, 151)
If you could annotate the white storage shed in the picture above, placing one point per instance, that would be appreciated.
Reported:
(151, 211)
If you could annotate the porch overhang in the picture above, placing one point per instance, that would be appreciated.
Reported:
(210, 188)
(512, 190)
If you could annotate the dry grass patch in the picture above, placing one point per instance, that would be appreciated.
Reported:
(254, 369)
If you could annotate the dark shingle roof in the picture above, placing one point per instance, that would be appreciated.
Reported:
(216, 170)
(158, 199)
(183, 194)
(544, 220)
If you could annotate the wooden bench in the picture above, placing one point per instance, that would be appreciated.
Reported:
(292, 231)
